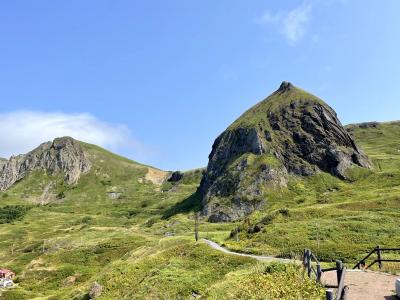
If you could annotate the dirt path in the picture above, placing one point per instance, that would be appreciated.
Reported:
(366, 285)
(258, 257)
(362, 285)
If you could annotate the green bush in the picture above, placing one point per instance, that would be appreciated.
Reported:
(11, 213)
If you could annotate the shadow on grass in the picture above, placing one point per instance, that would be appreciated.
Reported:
(190, 204)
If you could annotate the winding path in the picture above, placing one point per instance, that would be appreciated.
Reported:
(216, 246)
(362, 285)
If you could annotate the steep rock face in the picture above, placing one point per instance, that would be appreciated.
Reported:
(63, 155)
(290, 132)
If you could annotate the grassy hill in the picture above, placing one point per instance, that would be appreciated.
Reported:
(335, 218)
(119, 228)
(135, 237)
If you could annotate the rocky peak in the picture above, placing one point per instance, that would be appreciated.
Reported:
(285, 86)
(63, 155)
(289, 133)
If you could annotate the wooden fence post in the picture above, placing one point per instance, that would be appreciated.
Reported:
(305, 258)
(378, 252)
(309, 270)
(319, 273)
(345, 292)
(329, 294)
(341, 287)
(339, 270)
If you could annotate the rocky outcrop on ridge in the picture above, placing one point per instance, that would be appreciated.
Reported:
(63, 155)
(289, 133)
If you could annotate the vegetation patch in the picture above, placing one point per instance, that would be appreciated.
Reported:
(11, 213)
(271, 281)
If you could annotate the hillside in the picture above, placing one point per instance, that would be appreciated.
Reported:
(119, 225)
(336, 218)
(135, 237)
(82, 227)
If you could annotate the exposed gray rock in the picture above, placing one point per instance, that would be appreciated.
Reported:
(95, 290)
(312, 139)
(47, 195)
(63, 155)
(114, 195)
(291, 132)
(175, 176)
(3, 162)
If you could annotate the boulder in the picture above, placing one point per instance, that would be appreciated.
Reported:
(95, 290)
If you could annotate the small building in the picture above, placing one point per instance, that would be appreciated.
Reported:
(6, 273)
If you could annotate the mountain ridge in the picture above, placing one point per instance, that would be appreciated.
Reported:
(63, 155)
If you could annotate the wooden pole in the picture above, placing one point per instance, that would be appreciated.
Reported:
(309, 270)
(378, 252)
(345, 292)
(319, 273)
(329, 294)
(339, 270)
(237, 234)
(341, 287)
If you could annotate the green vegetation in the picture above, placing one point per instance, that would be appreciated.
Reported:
(336, 219)
(255, 116)
(141, 244)
(10, 213)
(274, 281)
(138, 244)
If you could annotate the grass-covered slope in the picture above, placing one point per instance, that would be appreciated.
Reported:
(118, 228)
(338, 219)
(135, 238)
(258, 114)
(58, 247)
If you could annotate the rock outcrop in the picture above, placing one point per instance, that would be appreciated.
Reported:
(63, 155)
(175, 176)
(289, 133)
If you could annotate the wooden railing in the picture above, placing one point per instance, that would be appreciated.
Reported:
(378, 250)
(308, 259)
(315, 270)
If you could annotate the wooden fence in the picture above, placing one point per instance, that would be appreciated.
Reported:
(314, 270)
(379, 251)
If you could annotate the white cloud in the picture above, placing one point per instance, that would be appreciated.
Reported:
(22, 131)
(292, 24)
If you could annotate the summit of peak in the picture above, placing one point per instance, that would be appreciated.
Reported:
(285, 86)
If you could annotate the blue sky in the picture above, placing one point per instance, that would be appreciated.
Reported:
(157, 81)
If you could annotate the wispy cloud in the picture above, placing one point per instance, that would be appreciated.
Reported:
(292, 24)
(21, 131)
